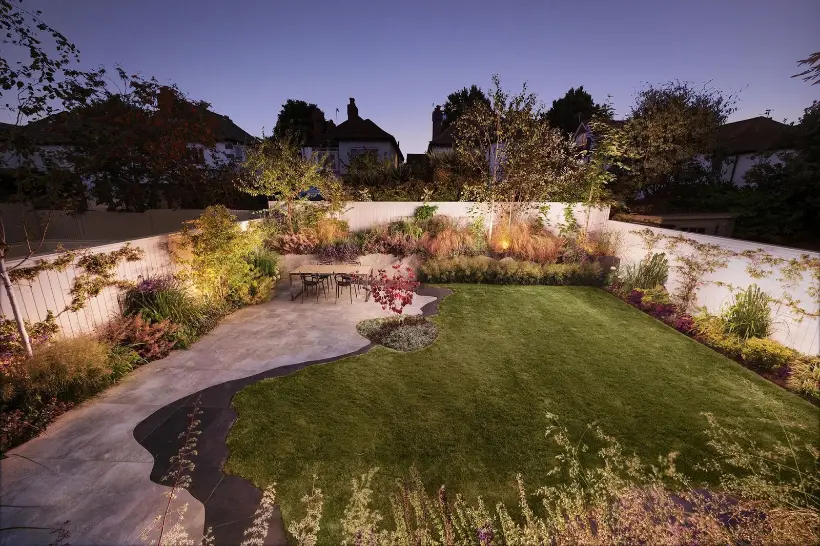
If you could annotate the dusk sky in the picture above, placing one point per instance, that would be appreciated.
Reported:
(399, 59)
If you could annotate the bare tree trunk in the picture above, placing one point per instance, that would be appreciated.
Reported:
(21, 326)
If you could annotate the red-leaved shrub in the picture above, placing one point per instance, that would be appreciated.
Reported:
(149, 340)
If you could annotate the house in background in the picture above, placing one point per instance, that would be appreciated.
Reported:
(742, 144)
(50, 135)
(442, 138)
(338, 145)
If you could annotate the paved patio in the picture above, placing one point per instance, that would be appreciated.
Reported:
(89, 469)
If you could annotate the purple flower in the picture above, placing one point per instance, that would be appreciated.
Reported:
(485, 535)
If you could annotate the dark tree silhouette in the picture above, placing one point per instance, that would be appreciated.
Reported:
(460, 101)
(573, 108)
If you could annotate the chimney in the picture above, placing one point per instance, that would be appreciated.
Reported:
(352, 111)
(438, 117)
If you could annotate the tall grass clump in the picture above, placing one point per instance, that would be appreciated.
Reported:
(650, 272)
(526, 241)
(749, 315)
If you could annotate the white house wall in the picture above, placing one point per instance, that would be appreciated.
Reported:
(385, 150)
(743, 162)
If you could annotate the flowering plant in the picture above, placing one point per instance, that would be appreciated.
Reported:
(397, 292)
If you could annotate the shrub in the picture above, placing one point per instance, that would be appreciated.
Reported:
(296, 243)
(396, 292)
(405, 228)
(711, 331)
(402, 334)
(18, 425)
(165, 298)
(122, 360)
(523, 241)
(265, 263)
(149, 340)
(648, 273)
(220, 247)
(481, 269)
(805, 376)
(766, 354)
(341, 251)
(331, 230)
(749, 315)
(424, 212)
(69, 370)
(601, 243)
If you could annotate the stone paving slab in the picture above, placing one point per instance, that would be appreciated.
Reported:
(89, 468)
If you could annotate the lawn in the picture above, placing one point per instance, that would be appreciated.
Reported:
(469, 410)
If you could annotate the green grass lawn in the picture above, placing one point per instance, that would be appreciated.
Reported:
(469, 410)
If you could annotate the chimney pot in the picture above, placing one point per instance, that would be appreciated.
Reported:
(438, 117)
(352, 110)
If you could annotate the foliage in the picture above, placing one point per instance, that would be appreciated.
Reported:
(396, 292)
(331, 230)
(601, 242)
(275, 167)
(650, 272)
(517, 157)
(805, 376)
(69, 369)
(99, 273)
(525, 241)
(574, 108)
(481, 269)
(297, 118)
(150, 341)
(18, 425)
(339, 252)
(122, 361)
(409, 333)
(296, 243)
(459, 102)
(780, 201)
(424, 212)
(812, 73)
(749, 314)
(668, 127)
(220, 250)
(766, 354)
(161, 298)
(711, 331)
(693, 264)
(141, 144)
(11, 347)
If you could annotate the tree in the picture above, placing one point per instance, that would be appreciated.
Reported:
(275, 167)
(781, 201)
(460, 101)
(296, 119)
(812, 73)
(36, 79)
(138, 142)
(672, 131)
(575, 107)
(518, 157)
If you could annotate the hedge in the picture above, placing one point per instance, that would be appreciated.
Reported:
(481, 269)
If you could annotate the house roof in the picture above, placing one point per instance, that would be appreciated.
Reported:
(754, 135)
(52, 131)
(358, 129)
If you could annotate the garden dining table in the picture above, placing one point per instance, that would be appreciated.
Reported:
(322, 269)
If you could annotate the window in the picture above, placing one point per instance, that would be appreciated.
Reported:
(355, 152)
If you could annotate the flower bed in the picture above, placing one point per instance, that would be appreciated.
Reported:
(399, 333)
(768, 358)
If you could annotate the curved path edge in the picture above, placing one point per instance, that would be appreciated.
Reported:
(229, 500)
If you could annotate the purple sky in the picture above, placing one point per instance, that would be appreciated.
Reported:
(398, 59)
